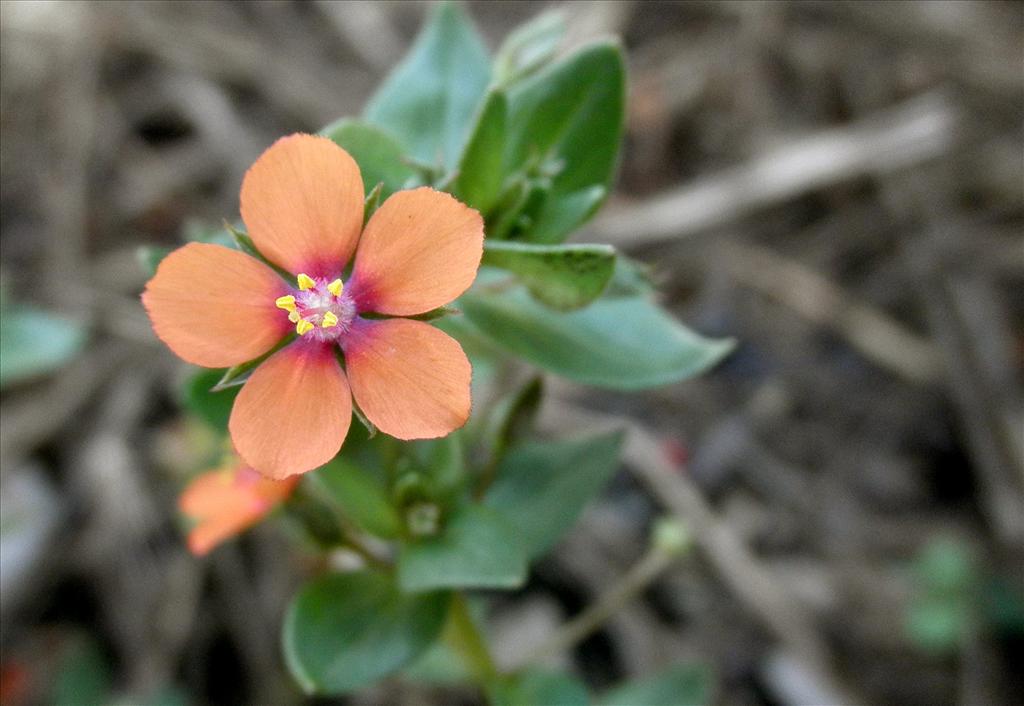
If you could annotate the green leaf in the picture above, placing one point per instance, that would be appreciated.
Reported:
(443, 464)
(678, 686)
(36, 342)
(244, 243)
(312, 516)
(477, 548)
(512, 418)
(361, 495)
(509, 218)
(631, 278)
(540, 688)
(562, 213)
(1003, 605)
(149, 256)
(564, 277)
(569, 116)
(214, 408)
(945, 568)
(380, 156)
(201, 232)
(83, 674)
(529, 47)
(344, 631)
(623, 344)
(936, 625)
(481, 168)
(429, 99)
(543, 487)
(438, 665)
(372, 202)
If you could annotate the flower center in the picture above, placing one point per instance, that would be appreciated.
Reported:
(320, 310)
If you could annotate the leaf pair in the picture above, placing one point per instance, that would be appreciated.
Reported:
(345, 631)
(621, 343)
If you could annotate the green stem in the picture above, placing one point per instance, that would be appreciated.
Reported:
(465, 637)
(353, 543)
(632, 584)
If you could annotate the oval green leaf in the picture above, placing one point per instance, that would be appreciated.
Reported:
(381, 158)
(563, 277)
(36, 342)
(429, 99)
(511, 419)
(624, 343)
(529, 47)
(481, 166)
(543, 487)
(478, 548)
(345, 631)
(570, 117)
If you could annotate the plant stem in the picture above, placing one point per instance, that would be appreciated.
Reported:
(636, 580)
(465, 637)
(353, 543)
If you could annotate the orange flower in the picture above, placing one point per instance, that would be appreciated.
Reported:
(227, 501)
(302, 202)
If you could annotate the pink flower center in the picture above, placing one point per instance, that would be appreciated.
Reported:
(320, 309)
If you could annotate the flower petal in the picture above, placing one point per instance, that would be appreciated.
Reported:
(410, 379)
(227, 501)
(216, 530)
(207, 493)
(214, 306)
(420, 250)
(218, 509)
(302, 202)
(293, 413)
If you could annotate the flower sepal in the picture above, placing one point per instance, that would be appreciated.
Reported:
(371, 428)
(372, 202)
(245, 244)
(432, 315)
(237, 375)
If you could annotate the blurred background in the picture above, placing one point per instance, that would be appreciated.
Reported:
(837, 185)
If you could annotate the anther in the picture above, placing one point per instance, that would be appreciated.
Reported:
(329, 320)
(293, 316)
(305, 282)
(303, 327)
(287, 303)
(335, 287)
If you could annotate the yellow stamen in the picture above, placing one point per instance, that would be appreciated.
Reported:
(329, 320)
(335, 287)
(305, 282)
(303, 327)
(294, 317)
(287, 303)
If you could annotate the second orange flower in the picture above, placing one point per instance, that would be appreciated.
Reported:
(302, 203)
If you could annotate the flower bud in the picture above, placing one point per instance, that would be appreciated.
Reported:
(671, 536)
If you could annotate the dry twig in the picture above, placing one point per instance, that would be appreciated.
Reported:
(748, 578)
(900, 137)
